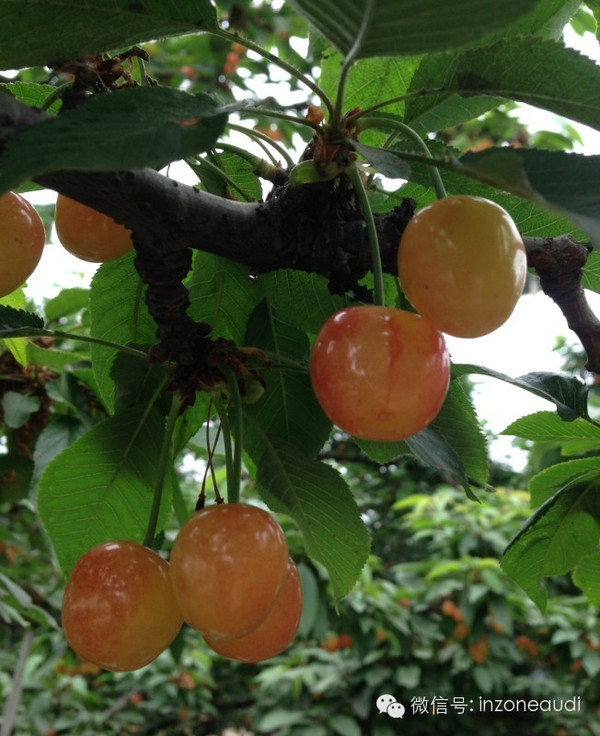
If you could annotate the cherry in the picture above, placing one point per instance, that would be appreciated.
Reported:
(379, 373)
(119, 610)
(88, 234)
(275, 632)
(22, 239)
(227, 566)
(462, 265)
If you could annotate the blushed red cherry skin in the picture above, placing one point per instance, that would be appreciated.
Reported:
(275, 632)
(119, 610)
(379, 373)
(227, 566)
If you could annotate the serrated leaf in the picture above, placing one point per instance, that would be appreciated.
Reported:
(118, 314)
(320, 502)
(547, 482)
(587, 577)
(539, 72)
(30, 94)
(288, 408)
(35, 34)
(60, 433)
(569, 394)
(555, 539)
(547, 426)
(138, 382)
(12, 320)
(131, 128)
(101, 487)
(406, 27)
(223, 295)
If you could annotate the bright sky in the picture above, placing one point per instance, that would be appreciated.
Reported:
(525, 343)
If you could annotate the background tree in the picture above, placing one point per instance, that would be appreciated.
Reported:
(207, 325)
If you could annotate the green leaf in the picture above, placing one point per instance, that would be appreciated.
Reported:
(223, 295)
(37, 34)
(131, 128)
(550, 480)
(67, 302)
(30, 94)
(555, 539)
(101, 487)
(569, 394)
(591, 272)
(118, 314)
(17, 408)
(406, 27)
(317, 498)
(288, 408)
(539, 72)
(301, 299)
(547, 426)
(60, 433)
(587, 577)
(12, 320)
(138, 382)
(563, 183)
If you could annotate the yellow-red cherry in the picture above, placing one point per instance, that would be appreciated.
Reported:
(22, 239)
(227, 566)
(119, 610)
(275, 632)
(462, 265)
(89, 234)
(379, 373)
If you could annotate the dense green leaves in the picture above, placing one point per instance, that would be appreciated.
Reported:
(129, 129)
(54, 31)
(101, 487)
(404, 27)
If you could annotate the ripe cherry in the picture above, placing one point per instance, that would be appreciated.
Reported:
(462, 265)
(119, 610)
(88, 234)
(22, 239)
(379, 373)
(275, 631)
(227, 566)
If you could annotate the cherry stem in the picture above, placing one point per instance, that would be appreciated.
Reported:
(365, 207)
(349, 60)
(234, 483)
(163, 460)
(226, 431)
(289, 68)
(401, 128)
(260, 138)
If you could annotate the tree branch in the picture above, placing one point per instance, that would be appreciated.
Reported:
(315, 228)
(559, 263)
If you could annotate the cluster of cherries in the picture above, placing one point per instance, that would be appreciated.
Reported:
(381, 373)
(82, 231)
(230, 577)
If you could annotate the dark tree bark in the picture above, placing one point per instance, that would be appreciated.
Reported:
(315, 228)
